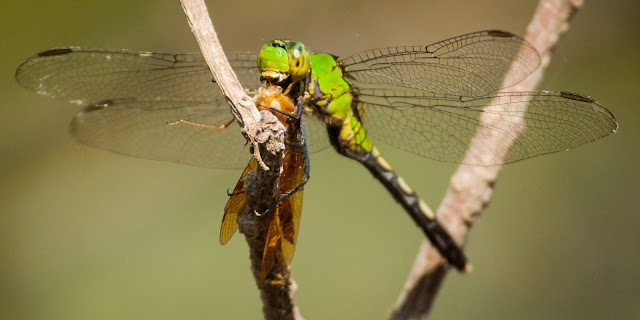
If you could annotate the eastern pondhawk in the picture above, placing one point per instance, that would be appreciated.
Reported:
(427, 100)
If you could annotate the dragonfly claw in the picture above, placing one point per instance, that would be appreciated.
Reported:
(260, 214)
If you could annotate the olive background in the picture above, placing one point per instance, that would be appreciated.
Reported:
(86, 234)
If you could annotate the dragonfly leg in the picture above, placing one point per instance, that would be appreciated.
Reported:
(224, 126)
(294, 144)
(284, 113)
(300, 88)
(300, 100)
(300, 105)
(234, 193)
(287, 194)
(306, 166)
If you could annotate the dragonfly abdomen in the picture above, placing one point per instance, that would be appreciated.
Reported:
(419, 211)
(351, 141)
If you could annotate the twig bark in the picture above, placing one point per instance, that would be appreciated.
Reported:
(266, 135)
(472, 186)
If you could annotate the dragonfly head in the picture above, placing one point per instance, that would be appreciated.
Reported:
(283, 61)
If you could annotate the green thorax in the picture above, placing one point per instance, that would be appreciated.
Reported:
(328, 84)
(331, 95)
(328, 94)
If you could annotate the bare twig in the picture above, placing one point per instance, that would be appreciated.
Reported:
(472, 186)
(242, 106)
(266, 135)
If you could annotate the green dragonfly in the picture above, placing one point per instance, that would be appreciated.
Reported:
(428, 100)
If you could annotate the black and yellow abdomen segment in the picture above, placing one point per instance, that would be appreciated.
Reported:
(419, 211)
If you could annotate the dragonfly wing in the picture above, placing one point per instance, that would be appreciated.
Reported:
(290, 222)
(317, 137)
(84, 76)
(441, 127)
(130, 128)
(282, 235)
(289, 210)
(229, 224)
(471, 65)
(234, 205)
(271, 247)
(285, 218)
(131, 96)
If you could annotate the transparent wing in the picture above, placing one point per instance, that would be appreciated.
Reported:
(130, 96)
(317, 138)
(142, 129)
(84, 76)
(470, 65)
(441, 127)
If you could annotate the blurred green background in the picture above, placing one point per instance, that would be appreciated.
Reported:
(86, 234)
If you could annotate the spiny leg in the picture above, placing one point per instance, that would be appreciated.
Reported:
(299, 103)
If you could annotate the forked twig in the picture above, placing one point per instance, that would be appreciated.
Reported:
(266, 135)
(472, 186)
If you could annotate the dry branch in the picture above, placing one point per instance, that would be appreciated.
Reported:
(472, 186)
(266, 135)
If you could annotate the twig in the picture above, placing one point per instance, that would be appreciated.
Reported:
(472, 186)
(242, 106)
(266, 135)
(278, 291)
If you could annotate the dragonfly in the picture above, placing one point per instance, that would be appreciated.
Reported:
(429, 100)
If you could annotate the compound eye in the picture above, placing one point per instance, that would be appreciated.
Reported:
(298, 61)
